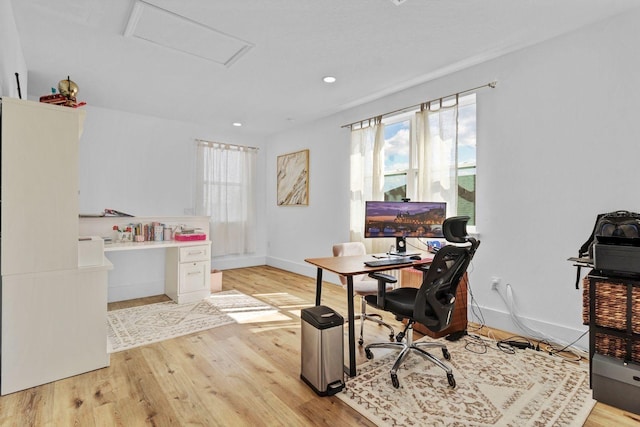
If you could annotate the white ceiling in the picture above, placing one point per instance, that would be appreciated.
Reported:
(373, 47)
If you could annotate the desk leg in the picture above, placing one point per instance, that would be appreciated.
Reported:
(318, 286)
(351, 369)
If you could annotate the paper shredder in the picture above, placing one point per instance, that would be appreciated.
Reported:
(616, 382)
(322, 350)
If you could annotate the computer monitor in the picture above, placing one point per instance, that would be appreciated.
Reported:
(404, 219)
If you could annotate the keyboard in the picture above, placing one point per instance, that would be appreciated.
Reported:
(389, 261)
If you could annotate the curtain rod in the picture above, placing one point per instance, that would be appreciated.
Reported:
(492, 85)
(227, 145)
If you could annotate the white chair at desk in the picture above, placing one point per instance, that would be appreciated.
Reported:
(362, 286)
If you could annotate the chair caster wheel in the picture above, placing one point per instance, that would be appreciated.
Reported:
(391, 337)
(400, 336)
(368, 353)
(360, 341)
(394, 381)
(446, 354)
(451, 380)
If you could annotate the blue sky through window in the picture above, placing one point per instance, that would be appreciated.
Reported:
(396, 146)
(396, 138)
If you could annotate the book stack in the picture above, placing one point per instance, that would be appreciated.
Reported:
(157, 231)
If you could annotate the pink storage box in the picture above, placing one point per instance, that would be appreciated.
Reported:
(189, 237)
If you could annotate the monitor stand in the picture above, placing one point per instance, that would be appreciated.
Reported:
(403, 254)
(401, 248)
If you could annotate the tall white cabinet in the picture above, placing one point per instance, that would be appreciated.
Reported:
(53, 312)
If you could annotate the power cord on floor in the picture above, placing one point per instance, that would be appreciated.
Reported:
(510, 302)
(480, 345)
(516, 342)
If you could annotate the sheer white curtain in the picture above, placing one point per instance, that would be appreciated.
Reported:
(225, 193)
(437, 139)
(367, 180)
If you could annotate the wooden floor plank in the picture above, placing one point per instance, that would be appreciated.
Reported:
(238, 374)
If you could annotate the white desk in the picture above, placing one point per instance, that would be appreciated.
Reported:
(187, 264)
(135, 246)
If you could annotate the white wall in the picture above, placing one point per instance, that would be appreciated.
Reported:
(11, 58)
(557, 144)
(145, 166)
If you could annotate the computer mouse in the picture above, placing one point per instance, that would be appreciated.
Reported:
(416, 257)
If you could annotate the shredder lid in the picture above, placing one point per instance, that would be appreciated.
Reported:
(616, 369)
(321, 317)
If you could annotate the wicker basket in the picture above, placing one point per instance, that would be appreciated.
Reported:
(610, 345)
(611, 305)
(611, 312)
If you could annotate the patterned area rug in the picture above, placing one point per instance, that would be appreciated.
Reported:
(146, 324)
(528, 388)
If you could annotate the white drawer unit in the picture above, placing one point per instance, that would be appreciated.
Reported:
(195, 253)
(187, 272)
(193, 276)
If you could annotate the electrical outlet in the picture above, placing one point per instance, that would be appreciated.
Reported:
(495, 281)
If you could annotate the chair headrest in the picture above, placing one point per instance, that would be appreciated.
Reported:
(455, 229)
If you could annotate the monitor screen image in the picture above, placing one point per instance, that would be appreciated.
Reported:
(404, 219)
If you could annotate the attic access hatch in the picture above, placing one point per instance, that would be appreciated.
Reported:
(168, 29)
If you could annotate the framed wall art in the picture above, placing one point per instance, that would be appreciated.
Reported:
(293, 179)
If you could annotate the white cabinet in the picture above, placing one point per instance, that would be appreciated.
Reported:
(53, 326)
(53, 313)
(187, 272)
(39, 186)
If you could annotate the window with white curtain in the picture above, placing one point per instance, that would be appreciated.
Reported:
(225, 176)
(426, 155)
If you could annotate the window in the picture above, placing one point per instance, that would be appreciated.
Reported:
(225, 193)
(397, 158)
(451, 131)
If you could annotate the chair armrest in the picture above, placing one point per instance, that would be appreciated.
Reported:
(382, 279)
(386, 278)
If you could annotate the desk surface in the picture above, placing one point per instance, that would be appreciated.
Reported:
(151, 244)
(353, 265)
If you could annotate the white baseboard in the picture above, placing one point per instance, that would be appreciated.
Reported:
(563, 334)
(228, 263)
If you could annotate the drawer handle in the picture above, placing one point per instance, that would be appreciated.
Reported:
(195, 252)
(636, 378)
(193, 273)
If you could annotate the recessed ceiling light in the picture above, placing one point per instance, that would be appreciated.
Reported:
(237, 124)
(329, 79)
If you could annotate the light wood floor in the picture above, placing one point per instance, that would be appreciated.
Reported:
(235, 375)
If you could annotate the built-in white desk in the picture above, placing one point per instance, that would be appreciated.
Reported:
(187, 264)
(134, 246)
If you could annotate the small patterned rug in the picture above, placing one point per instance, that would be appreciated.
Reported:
(146, 324)
(528, 388)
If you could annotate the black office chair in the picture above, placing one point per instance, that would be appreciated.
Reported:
(432, 304)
